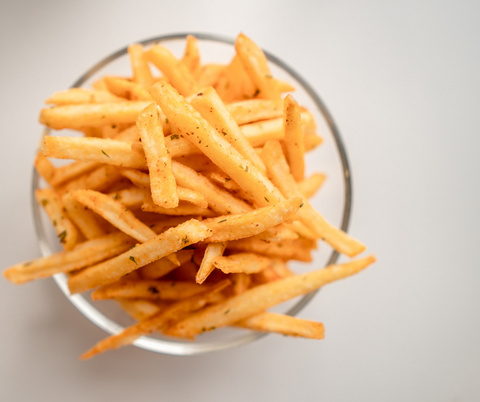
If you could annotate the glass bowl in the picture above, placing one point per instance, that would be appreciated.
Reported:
(333, 200)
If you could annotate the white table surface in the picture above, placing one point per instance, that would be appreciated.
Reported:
(402, 81)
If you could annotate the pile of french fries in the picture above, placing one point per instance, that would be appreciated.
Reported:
(187, 196)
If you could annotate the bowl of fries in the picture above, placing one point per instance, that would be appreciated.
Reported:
(182, 202)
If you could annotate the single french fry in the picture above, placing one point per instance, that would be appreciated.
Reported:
(83, 255)
(66, 231)
(176, 72)
(294, 143)
(283, 324)
(147, 289)
(69, 172)
(97, 150)
(77, 96)
(113, 131)
(241, 282)
(277, 233)
(213, 145)
(312, 141)
(279, 172)
(284, 86)
(212, 251)
(84, 219)
(255, 63)
(178, 146)
(140, 179)
(129, 134)
(91, 115)
(287, 250)
(183, 208)
(267, 275)
(98, 179)
(115, 213)
(258, 299)
(247, 224)
(212, 109)
(44, 167)
(234, 83)
(162, 181)
(141, 71)
(191, 57)
(164, 244)
(220, 201)
(260, 132)
(131, 197)
(309, 186)
(299, 228)
(163, 266)
(126, 89)
(208, 74)
(252, 110)
(158, 321)
(280, 268)
(139, 309)
(248, 263)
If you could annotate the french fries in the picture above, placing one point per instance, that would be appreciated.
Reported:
(181, 186)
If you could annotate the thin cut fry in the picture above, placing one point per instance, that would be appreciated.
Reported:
(77, 96)
(256, 300)
(283, 324)
(294, 144)
(44, 167)
(141, 72)
(310, 185)
(212, 251)
(163, 266)
(84, 219)
(164, 244)
(66, 231)
(139, 309)
(208, 74)
(158, 321)
(191, 58)
(241, 282)
(91, 115)
(69, 172)
(248, 263)
(183, 208)
(251, 110)
(129, 90)
(115, 213)
(98, 179)
(162, 182)
(131, 197)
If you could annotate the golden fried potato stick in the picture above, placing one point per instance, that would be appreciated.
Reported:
(147, 289)
(69, 172)
(212, 109)
(279, 172)
(141, 71)
(294, 144)
(115, 213)
(139, 309)
(183, 208)
(77, 96)
(257, 299)
(260, 132)
(212, 251)
(191, 57)
(283, 324)
(256, 66)
(98, 179)
(277, 233)
(158, 321)
(309, 186)
(44, 167)
(176, 72)
(91, 115)
(247, 263)
(66, 231)
(162, 181)
(214, 146)
(164, 244)
(312, 141)
(208, 74)
(241, 282)
(220, 201)
(247, 224)
(130, 197)
(129, 134)
(97, 150)
(284, 86)
(126, 89)
(83, 218)
(177, 146)
(251, 110)
(83, 255)
(288, 249)
(163, 266)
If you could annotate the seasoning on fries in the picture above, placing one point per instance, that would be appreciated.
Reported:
(187, 196)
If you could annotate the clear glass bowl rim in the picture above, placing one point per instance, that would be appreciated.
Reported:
(191, 348)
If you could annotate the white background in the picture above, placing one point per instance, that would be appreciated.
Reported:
(401, 79)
